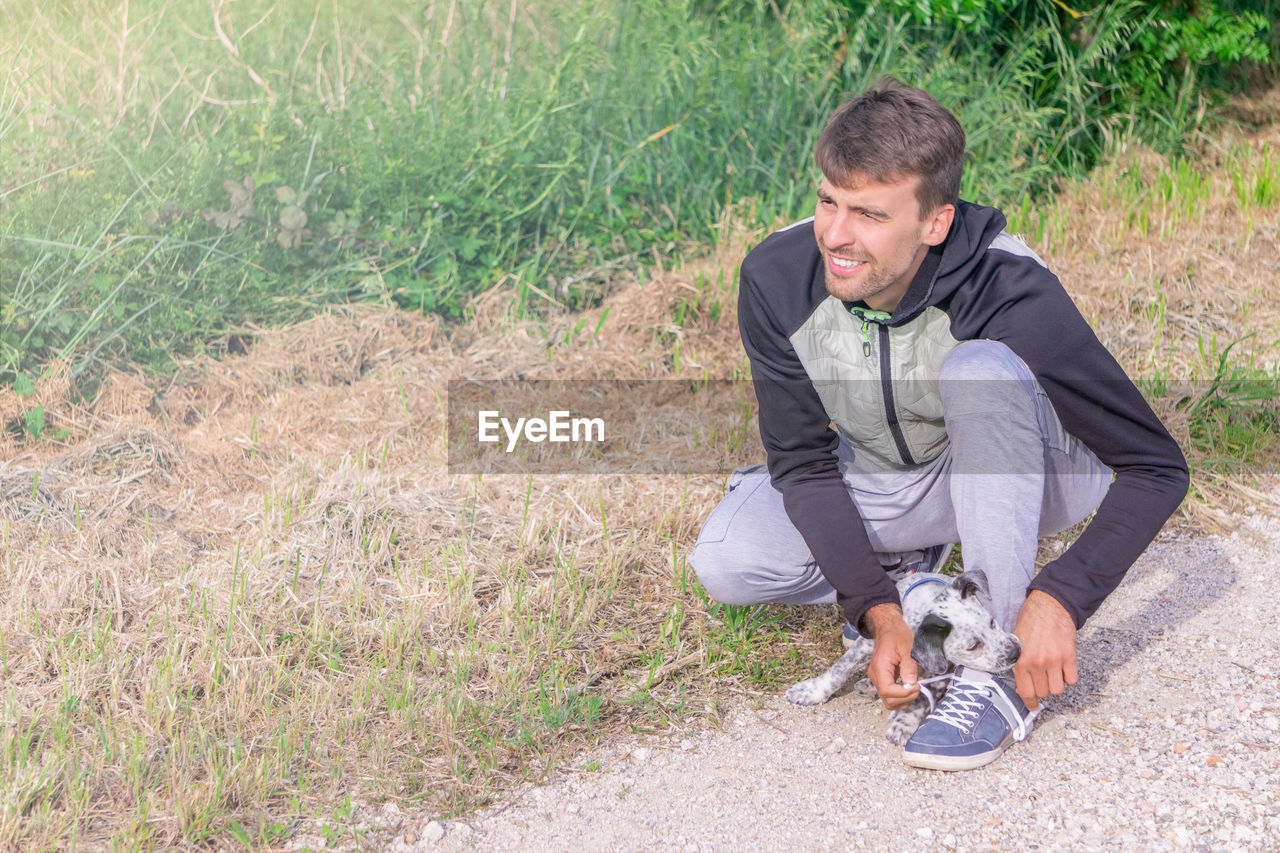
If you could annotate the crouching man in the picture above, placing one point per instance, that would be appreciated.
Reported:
(923, 379)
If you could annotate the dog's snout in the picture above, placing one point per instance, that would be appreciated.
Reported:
(1015, 650)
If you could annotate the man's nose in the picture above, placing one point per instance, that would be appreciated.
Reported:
(840, 232)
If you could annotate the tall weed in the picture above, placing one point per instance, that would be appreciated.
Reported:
(199, 168)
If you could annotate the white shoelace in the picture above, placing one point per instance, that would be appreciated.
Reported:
(928, 694)
(963, 703)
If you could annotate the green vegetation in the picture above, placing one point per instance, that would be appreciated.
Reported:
(175, 171)
(255, 606)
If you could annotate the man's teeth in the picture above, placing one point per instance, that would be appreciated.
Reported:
(843, 264)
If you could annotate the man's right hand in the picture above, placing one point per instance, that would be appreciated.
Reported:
(891, 656)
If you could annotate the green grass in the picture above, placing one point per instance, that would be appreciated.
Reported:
(1234, 413)
(186, 174)
(1257, 184)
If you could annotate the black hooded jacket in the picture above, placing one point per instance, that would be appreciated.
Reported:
(999, 292)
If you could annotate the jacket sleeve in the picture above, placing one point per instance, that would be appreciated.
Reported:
(801, 448)
(1098, 404)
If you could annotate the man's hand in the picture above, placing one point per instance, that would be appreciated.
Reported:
(1048, 659)
(891, 657)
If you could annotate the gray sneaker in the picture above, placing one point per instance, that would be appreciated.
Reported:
(928, 560)
(850, 635)
(976, 721)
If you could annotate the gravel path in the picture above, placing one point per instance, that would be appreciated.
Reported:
(1171, 740)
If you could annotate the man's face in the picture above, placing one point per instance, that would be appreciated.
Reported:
(873, 239)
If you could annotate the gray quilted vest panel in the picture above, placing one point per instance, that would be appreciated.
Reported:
(844, 362)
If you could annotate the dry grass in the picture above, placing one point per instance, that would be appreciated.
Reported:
(1175, 263)
(256, 588)
(253, 590)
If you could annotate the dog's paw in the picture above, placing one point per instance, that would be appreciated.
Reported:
(810, 692)
(900, 730)
(864, 688)
(903, 724)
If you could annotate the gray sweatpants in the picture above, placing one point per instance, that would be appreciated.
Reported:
(1009, 475)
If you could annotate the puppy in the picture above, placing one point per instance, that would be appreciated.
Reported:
(953, 624)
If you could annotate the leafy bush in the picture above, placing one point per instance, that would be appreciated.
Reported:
(1106, 67)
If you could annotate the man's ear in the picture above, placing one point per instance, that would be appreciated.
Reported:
(939, 224)
(927, 647)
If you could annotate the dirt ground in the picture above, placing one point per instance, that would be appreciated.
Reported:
(1170, 741)
(323, 452)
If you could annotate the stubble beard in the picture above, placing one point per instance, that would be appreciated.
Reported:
(868, 282)
(872, 281)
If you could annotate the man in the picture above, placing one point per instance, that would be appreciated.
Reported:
(923, 379)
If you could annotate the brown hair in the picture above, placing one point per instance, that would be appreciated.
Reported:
(890, 132)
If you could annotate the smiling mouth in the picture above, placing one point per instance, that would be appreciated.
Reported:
(843, 264)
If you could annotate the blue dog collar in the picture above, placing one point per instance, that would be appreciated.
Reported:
(921, 581)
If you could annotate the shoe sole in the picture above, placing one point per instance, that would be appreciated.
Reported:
(942, 560)
(932, 761)
(899, 572)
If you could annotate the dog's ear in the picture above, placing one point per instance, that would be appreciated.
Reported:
(973, 582)
(927, 648)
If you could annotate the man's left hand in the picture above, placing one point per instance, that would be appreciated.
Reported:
(1048, 660)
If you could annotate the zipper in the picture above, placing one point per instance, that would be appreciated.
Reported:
(890, 408)
(868, 316)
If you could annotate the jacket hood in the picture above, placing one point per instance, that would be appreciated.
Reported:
(951, 263)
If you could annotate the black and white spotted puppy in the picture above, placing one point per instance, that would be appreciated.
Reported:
(953, 624)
